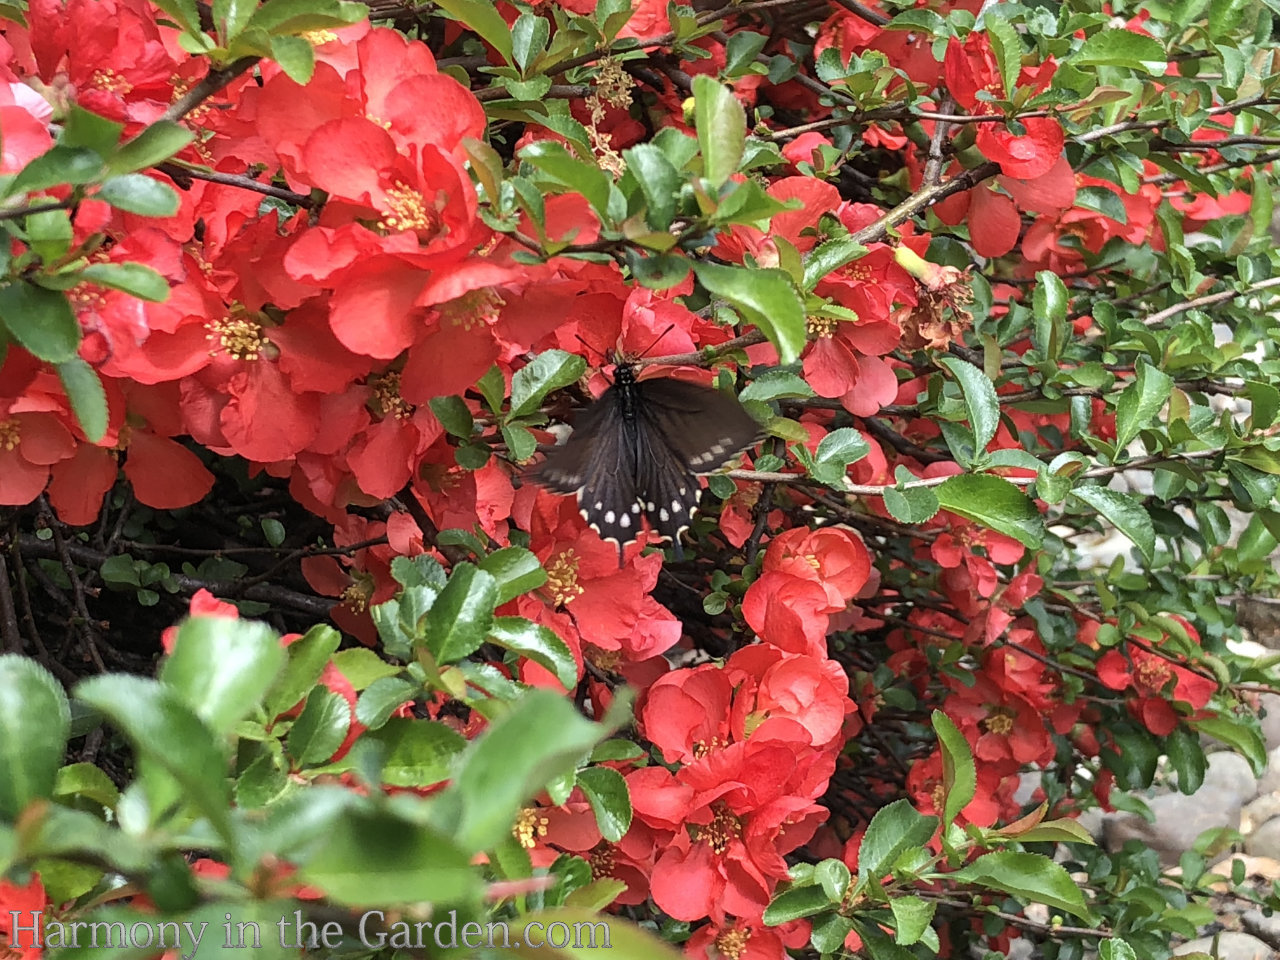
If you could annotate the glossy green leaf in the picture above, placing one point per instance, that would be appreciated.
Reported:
(58, 165)
(418, 753)
(35, 722)
(222, 668)
(542, 737)
(296, 57)
(1140, 401)
(1123, 512)
(459, 620)
(516, 570)
(373, 858)
(766, 298)
(383, 697)
(135, 279)
(88, 398)
(721, 124)
(993, 502)
(167, 733)
(483, 18)
(894, 829)
(40, 320)
(305, 660)
(1118, 47)
(959, 772)
(320, 728)
(154, 144)
(556, 163)
(610, 800)
(539, 643)
(830, 256)
(911, 917)
(140, 194)
(981, 405)
(1028, 877)
(454, 415)
(550, 370)
(658, 180)
(796, 903)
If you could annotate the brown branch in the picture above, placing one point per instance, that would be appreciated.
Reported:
(213, 81)
(179, 171)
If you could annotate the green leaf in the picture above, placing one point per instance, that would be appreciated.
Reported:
(1265, 403)
(418, 753)
(911, 918)
(223, 668)
(85, 780)
(834, 878)
(776, 385)
(959, 772)
(980, 403)
(296, 56)
(306, 658)
(1243, 738)
(607, 793)
(140, 194)
(835, 452)
(541, 738)
(453, 414)
(35, 722)
(721, 125)
(537, 642)
(483, 18)
(659, 181)
(548, 371)
(84, 128)
(458, 622)
(1119, 47)
(1124, 513)
(135, 279)
(373, 858)
(1103, 201)
(1140, 401)
(913, 505)
(625, 941)
(153, 145)
(796, 903)
(382, 698)
(1187, 758)
(40, 320)
(521, 444)
(1049, 307)
(766, 298)
(894, 829)
(165, 732)
(88, 398)
(516, 570)
(993, 502)
(1026, 876)
(529, 36)
(556, 163)
(829, 256)
(359, 665)
(320, 728)
(1115, 949)
(56, 166)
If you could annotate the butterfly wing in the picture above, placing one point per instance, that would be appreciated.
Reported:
(703, 427)
(688, 430)
(597, 463)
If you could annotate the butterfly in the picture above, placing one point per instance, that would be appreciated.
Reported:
(638, 451)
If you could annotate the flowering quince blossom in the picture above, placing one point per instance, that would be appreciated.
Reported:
(1147, 673)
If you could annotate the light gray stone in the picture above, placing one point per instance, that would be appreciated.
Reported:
(1232, 945)
(1263, 927)
(1261, 809)
(1270, 702)
(1179, 821)
(1270, 781)
(1264, 841)
(1232, 773)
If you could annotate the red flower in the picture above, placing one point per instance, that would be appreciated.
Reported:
(789, 612)
(1149, 676)
(1023, 155)
(833, 557)
(22, 907)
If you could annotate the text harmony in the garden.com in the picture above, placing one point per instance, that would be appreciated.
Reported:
(31, 929)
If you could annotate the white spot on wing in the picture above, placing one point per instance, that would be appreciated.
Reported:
(624, 521)
(599, 504)
(609, 517)
(677, 506)
(649, 506)
(663, 515)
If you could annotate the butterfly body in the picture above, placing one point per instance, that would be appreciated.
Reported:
(638, 450)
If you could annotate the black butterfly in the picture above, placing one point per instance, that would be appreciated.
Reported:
(639, 449)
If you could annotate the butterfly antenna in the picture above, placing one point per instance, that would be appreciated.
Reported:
(657, 340)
